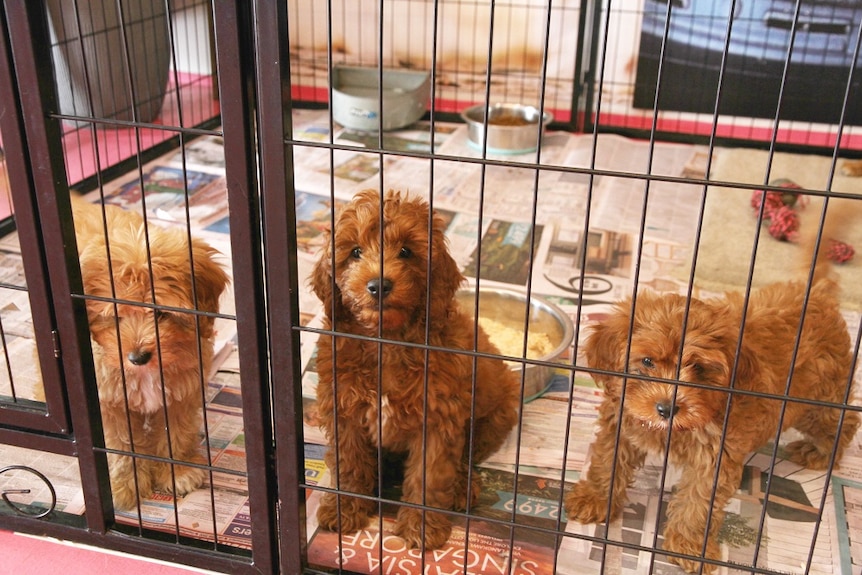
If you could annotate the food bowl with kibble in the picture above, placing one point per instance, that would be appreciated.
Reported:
(357, 95)
(502, 315)
(511, 128)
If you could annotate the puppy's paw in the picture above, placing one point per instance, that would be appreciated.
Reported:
(438, 528)
(185, 480)
(806, 454)
(676, 541)
(588, 503)
(124, 493)
(355, 513)
(125, 497)
(462, 492)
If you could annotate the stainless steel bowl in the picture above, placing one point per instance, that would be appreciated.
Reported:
(356, 97)
(508, 308)
(512, 128)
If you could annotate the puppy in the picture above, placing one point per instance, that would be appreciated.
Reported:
(151, 356)
(440, 409)
(852, 168)
(653, 410)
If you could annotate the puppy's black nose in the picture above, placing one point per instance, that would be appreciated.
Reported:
(666, 408)
(379, 287)
(139, 357)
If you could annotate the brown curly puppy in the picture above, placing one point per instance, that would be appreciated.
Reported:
(427, 405)
(150, 361)
(687, 422)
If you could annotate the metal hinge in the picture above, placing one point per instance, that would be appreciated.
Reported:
(55, 337)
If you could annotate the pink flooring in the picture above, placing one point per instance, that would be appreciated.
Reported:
(35, 556)
(190, 99)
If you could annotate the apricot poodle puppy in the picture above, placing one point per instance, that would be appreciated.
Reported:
(653, 410)
(151, 349)
(440, 409)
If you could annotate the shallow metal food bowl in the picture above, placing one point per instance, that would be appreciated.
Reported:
(508, 308)
(356, 97)
(512, 128)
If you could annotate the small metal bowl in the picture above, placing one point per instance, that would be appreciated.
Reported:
(507, 308)
(356, 97)
(512, 128)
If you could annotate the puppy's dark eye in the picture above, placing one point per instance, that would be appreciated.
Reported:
(648, 363)
(161, 315)
(356, 253)
(405, 253)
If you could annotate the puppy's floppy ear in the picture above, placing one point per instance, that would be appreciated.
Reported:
(605, 347)
(446, 276)
(210, 278)
(748, 366)
(322, 282)
(713, 332)
(95, 275)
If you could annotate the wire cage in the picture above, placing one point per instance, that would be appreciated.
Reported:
(647, 207)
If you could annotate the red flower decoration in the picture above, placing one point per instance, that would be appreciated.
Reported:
(839, 252)
(784, 224)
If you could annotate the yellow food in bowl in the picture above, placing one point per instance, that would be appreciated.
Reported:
(510, 341)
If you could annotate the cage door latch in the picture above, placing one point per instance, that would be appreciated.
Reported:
(22, 508)
(55, 339)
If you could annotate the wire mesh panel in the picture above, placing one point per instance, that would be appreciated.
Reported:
(158, 303)
(657, 303)
(152, 267)
(26, 329)
(18, 382)
(155, 266)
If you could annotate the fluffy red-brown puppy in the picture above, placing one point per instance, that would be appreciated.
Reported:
(151, 351)
(664, 341)
(377, 281)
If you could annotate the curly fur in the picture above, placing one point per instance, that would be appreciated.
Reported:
(149, 362)
(687, 422)
(428, 398)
